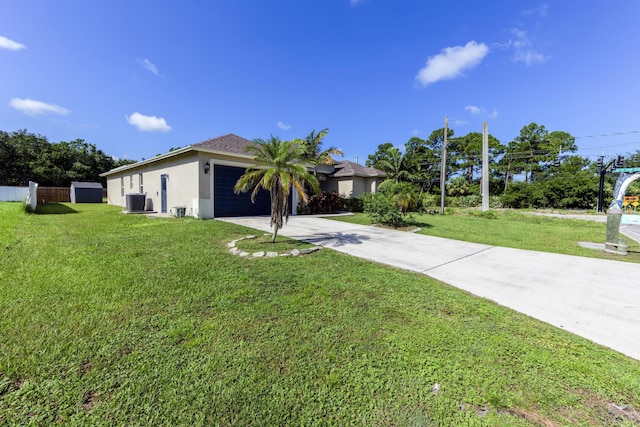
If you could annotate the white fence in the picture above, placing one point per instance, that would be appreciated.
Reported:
(29, 194)
(13, 194)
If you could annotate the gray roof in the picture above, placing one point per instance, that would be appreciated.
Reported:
(77, 184)
(229, 143)
(347, 168)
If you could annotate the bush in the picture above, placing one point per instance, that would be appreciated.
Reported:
(325, 202)
(495, 202)
(352, 204)
(404, 194)
(382, 209)
(429, 202)
(470, 201)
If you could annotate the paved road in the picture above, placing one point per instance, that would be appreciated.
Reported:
(596, 299)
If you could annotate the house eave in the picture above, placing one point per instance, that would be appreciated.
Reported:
(171, 154)
(149, 161)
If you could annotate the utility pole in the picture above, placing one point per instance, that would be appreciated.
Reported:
(443, 166)
(485, 166)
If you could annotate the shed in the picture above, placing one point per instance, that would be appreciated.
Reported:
(86, 192)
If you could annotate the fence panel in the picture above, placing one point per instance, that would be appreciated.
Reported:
(13, 194)
(58, 194)
(54, 194)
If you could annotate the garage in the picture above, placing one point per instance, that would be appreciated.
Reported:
(227, 203)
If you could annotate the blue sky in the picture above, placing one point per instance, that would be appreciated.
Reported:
(136, 78)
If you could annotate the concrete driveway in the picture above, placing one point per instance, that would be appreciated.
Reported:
(596, 299)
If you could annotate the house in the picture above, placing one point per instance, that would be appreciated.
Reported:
(351, 179)
(200, 179)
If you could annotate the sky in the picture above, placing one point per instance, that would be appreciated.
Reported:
(136, 78)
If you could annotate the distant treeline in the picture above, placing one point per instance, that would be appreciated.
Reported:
(28, 157)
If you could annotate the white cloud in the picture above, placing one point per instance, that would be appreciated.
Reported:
(284, 126)
(148, 123)
(460, 122)
(481, 111)
(525, 51)
(149, 66)
(473, 109)
(540, 10)
(6, 43)
(451, 62)
(355, 2)
(32, 107)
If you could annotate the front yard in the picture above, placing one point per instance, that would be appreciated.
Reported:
(111, 319)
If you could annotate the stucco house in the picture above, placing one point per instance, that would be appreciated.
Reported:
(200, 178)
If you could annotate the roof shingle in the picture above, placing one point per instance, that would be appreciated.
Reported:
(229, 143)
(347, 168)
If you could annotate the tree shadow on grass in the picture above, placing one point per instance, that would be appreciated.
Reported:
(54, 209)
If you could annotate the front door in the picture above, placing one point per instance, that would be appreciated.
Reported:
(163, 193)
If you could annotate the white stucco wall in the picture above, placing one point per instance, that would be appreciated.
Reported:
(182, 182)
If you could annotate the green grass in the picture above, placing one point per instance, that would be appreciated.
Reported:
(513, 229)
(112, 319)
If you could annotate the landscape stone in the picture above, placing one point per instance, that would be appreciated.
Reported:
(258, 254)
(272, 254)
(250, 237)
(244, 254)
(295, 252)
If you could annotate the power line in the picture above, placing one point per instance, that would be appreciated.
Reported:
(608, 134)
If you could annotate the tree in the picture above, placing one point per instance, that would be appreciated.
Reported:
(525, 151)
(313, 152)
(534, 151)
(29, 157)
(381, 154)
(422, 163)
(278, 168)
(393, 165)
(469, 153)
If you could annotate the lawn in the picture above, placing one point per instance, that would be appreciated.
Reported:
(112, 319)
(513, 229)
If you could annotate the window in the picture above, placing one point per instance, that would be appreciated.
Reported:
(122, 186)
(130, 181)
(141, 183)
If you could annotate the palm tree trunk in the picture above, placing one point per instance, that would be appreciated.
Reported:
(277, 203)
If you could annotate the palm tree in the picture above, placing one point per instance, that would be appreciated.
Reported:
(313, 149)
(278, 168)
(393, 165)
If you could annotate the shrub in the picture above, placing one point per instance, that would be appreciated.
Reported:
(404, 194)
(325, 202)
(470, 201)
(495, 202)
(429, 202)
(352, 204)
(382, 209)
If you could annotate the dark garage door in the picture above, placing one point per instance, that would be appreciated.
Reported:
(227, 203)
